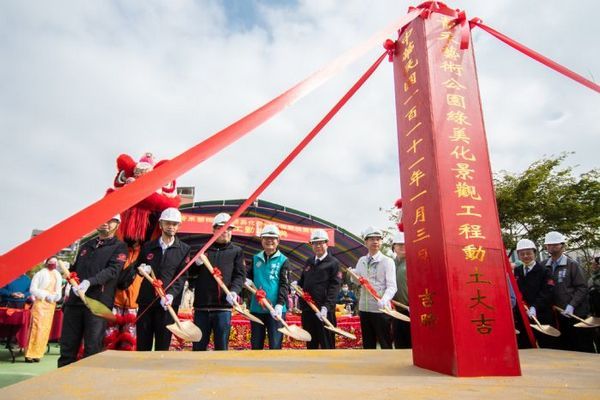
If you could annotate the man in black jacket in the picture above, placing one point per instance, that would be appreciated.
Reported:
(165, 257)
(533, 280)
(98, 265)
(321, 279)
(569, 293)
(212, 308)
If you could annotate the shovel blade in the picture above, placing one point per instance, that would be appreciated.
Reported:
(589, 322)
(99, 309)
(186, 330)
(340, 332)
(395, 314)
(295, 332)
(546, 330)
(244, 312)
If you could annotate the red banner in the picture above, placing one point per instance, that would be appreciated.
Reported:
(462, 320)
(251, 227)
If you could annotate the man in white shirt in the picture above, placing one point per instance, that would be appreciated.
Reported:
(380, 271)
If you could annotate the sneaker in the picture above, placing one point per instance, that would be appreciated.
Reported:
(28, 360)
(36, 360)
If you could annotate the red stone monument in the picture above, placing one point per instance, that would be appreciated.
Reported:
(461, 318)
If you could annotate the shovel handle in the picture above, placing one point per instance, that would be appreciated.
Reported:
(572, 315)
(65, 273)
(313, 306)
(533, 317)
(399, 304)
(267, 304)
(162, 295)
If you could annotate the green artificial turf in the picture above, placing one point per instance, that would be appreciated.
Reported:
(12, 373)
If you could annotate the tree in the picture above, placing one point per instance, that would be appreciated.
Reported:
(547, 196)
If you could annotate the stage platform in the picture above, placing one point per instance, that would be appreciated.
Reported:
(303, 374)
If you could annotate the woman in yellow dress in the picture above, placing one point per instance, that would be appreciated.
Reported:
(46, 290)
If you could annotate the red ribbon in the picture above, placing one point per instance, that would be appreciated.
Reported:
(217, 273)
(279, 169)
(536, 56)
(261, 295)
(308, 298)
(367, 285)
(158, 287)
(73, 277)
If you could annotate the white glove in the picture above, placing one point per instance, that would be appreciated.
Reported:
(384, 303)
(199, 261)
(248, 282)
(82, 287)
(50, 298)
(56, 297)
(322, 314)
(146, 268)
(232, 298)
(166, 301)
(294, 283)
(568, 311)
(531, 312)
(277, 311)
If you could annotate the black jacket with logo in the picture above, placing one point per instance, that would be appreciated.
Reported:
(100, 262)
(166, 266)
(229, 259)
(322, 280)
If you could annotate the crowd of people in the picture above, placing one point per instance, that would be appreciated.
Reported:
(553, 291)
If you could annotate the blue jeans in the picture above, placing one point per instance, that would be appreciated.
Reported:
(257, 332)
(217, 322)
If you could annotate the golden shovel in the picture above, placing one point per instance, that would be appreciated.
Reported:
(590, 322)
(386, 310)
(545, 329)
(243, 311)
(328, 324)
(96, 307)
(185, 330)
(293, 331)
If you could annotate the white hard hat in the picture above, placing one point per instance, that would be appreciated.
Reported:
(371, 232)
(398, 238)
(221, 219)
(319, 235)
(270, 231)
(525, 244)
(170, 214)
(554, 238)
(116, 218)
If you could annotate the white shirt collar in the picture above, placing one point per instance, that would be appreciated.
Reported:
(322, 257)
(164, 245)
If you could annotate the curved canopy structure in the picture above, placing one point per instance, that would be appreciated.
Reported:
(345, 246)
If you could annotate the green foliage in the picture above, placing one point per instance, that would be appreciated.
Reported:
(545, 197)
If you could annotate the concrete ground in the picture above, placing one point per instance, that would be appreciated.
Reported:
(305, 374)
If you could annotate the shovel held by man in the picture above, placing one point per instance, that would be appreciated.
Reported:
(96, 307)
(328, 324)
(244, 312)
(185, 330)
(293, 331)
(387, 310)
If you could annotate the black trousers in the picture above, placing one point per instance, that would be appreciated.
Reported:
(80, 324)
(321, 338)
(152, 328)
(376, 328)
(401, 332)
(572, 338)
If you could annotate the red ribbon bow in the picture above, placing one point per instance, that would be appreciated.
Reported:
(367, 285)
(217, 273)
(390, 46)
(308, 298)
(73, 276)
(261, 295)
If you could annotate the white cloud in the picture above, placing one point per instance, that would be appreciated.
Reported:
(85, 81)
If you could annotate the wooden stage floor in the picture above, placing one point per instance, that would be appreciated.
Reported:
(304, 374)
